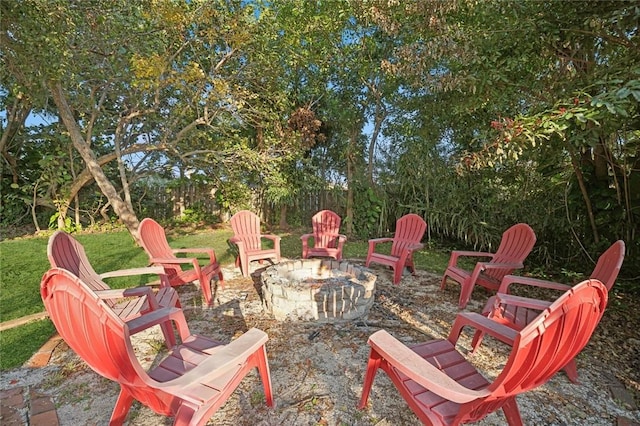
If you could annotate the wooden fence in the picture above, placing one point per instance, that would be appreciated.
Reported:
(174, 203)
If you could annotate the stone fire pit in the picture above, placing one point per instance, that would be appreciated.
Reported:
(317, 289)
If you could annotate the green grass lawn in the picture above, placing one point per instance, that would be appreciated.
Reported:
(24, 261)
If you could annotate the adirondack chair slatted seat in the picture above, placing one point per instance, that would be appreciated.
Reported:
(155, 244)
(516, 312)
(442, 388)
(190, 383)
(66, 252)
(327, 239)
(248, 240)
(409, 231)
(515, 245)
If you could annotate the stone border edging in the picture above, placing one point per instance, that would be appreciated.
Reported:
(22, 320)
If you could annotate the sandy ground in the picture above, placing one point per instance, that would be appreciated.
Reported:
(317, 369)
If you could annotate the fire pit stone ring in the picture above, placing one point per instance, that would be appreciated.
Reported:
(317, 289)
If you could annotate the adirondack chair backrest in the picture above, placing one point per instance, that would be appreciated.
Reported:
(326, 227)
(609, 264)
(545, 345)
(515, 245)
(94, 331)
(410, 229)
(155, 244)
(246, 226)
(66, 252)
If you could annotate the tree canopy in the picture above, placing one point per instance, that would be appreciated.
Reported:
(476, 115)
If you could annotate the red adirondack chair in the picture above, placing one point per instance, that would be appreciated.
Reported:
(410, 229)
(190, 383)
(516, 312)
(66, 252)
(327, 239)
(154, 242)
(516, 244)
(248, 239)
(443, 388)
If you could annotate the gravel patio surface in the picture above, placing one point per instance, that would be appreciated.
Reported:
(317, 369)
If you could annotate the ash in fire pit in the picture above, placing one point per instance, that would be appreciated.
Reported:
(316, 289)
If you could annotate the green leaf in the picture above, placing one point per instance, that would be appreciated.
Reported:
(623, 93)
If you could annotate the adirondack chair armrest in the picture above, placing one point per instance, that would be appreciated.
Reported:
(481, 323)
(420, 370)
(453, 260)
(177, 260)
(157, 317)
(305, 237)
(375, 241)
(414, 247)
(170, 260)
(208, 251)
(219, 363)
(381, 240)
(342, 238)
(516, 279)
(489, 265)
(148, 270)
(524, 302)
(272, 237)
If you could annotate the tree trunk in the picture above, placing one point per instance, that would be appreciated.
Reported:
(34, 216)
(353, 143)
(121, 168)
(283, 217)
(600, 163)
(378, 120)
(124, 212)
(76, 203)
(16, 115)
(85, 176)
(585, 194)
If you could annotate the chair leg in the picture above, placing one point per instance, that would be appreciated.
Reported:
(512, 413)
(123, 405)
(265, 376)
(572, 371)
(476, 341)
(372, 368)
(368, 261)
(169, 337)
(397, 273)
(412, 269)
(443, 283)
(205, 287)
(184, 415)
(220, 280)
(466, 288)
(244, 265)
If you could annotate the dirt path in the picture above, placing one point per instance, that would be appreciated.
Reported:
(317, 370)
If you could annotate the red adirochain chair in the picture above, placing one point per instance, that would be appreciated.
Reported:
(443, 388)
(327, 239)
(154, 242)
(189, 384)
